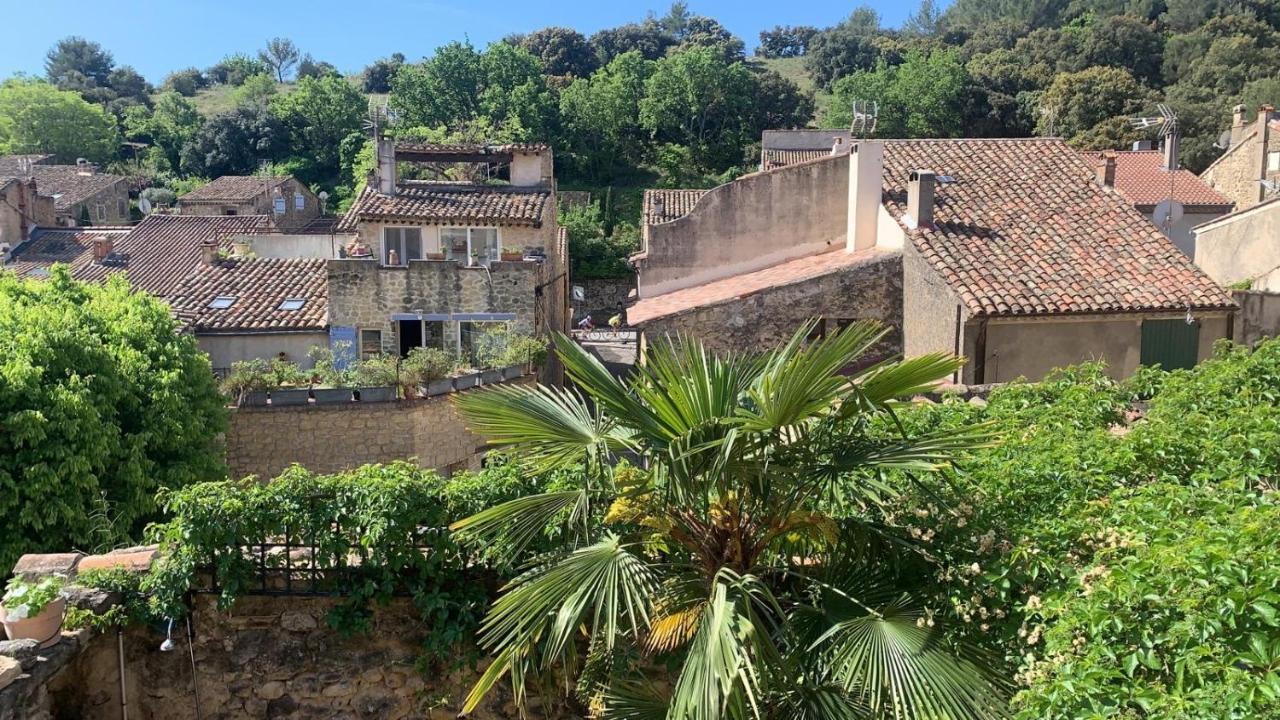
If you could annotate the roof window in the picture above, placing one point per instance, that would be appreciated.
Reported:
(222, 302)
(293, 304)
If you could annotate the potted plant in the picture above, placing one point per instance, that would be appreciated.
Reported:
(335, 383)
(376, 378)
(247, 383)
(427, 371)
(285, 377)
(466, 378)
(33, 610)
(475, 259)
(512, 254)
(436, 255)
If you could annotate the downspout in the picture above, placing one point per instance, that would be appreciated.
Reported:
(980, 351)
(124, 698)
(955, 376)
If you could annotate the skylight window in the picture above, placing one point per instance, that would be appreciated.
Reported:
(222, 302)
(293, 303)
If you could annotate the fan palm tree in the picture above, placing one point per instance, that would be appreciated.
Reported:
(734, 572)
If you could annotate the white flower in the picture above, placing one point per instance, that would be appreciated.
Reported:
(21, 612)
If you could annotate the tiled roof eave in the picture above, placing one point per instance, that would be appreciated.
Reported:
(270, 330)
(441, 220)
(980, 312)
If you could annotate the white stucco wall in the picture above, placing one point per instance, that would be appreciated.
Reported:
(224, 350)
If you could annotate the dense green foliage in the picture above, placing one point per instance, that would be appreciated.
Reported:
(730, 578)
(1125, 562)
(101, 405)
(36, 117)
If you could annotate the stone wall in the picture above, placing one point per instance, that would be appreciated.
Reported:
(603, 296)
(365, 295)
(751, 223)
(1237, 172)
(1259, 316)
(932, 315)
(332, 438)
(869, 290)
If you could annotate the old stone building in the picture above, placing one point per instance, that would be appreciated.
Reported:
(1009, 253)
(23, 208)
(81, 194)
(289, 202)
(434, 262)
(1243, 247)
(1249, 171)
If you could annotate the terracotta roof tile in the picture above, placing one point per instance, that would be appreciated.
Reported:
(470, 148)
(233, 188)
(156, 255)
(439, 203)
(1142, 179)
(737, 286)
(1024, 229)
(68, 184)
(666, 205)
(259, 287)
(70, 246)
(781, 158)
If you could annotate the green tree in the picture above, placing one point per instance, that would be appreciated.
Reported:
(36, 117)
(185, 82)
(280, 55)
(235, 69)
(736, 560)
(922, 97)
(785, 41)
(1075, 102)
(168, 127)
(440, 90)
(647, 38)
(926, 21)
(377, 77)
(103, 403)
(696, 99)
(235, 143)
(75, 62)
(600, 116)
(309, 67)
(319, 114)
(844, 48)
(562, 51)
(256, 90)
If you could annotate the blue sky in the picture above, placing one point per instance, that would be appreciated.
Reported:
(158, 37)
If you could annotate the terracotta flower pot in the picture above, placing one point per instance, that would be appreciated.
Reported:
(45, 627)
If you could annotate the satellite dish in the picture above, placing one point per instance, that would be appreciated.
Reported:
(144, 205)
(1167, 213)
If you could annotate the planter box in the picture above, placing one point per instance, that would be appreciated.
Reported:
(332, 396)
(376, 394)
(254, 399)
(489, 377)
(464, 382)
(512, 257)
(280, 398)
(437, 387)
(45, 628)
(512, 372)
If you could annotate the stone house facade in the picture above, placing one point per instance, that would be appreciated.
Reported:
(1252, 156)
(81, 194)
(1009, 253)
(22, 209)
(287, 200)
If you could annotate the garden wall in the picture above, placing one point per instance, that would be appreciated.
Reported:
(603, 296)
(1259, 316)
(331, 438)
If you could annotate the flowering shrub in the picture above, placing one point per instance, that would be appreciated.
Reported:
(24, 599)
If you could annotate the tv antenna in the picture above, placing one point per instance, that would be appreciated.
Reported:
(864, 117)
(1050, 115)
(379, 117)
(1167, 121)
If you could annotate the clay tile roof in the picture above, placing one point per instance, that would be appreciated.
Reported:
(666, 205)
(259, 286)
(70, 246)
(69, 185)
(155, 255)
(1142, 179)
(737, 286)
(439, 203)
(781, 158)
(470, 148)
(1025, 229)
(233, 188)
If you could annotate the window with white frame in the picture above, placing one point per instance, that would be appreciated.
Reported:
(462, 244)
(279, 206)
(401, 244)
(1273, 161)
(299, 201)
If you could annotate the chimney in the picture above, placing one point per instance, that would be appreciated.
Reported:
(920, 188)
(102, 248)
(1237, 123)
(1171, 151)
(837, 146)
(1141, 145)
(84, 167)
(209, 252)
(866, 179)
(387, 166)
(1106, 168)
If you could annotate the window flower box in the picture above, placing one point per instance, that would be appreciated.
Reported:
(512, 372)
(254, 399)
(437, 387)
(466, 382)
(297, 396)
(332, 396)
(376, 394)
(489, 377)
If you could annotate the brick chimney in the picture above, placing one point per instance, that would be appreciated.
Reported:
(920, 187)
(1237, 123)
(209, 252)
(1106, 168)
(84, 167)
(102, 248)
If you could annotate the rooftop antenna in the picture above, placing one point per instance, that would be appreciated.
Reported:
(379, 117)
(865, 115)
(1050, 115)
(1167, 121)
(1170, 210)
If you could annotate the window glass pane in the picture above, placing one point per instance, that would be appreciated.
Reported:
(484, 242)
(1273, 162)
(391, 241)
(299, 201)
(412, 243)
(433, 334)
(482, 342)
(454, 242)
(279, 205)
(370, 342)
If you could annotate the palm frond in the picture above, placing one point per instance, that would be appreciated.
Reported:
(896, 665)
(633, 700)
(519, 522)
(588, 373)
(544, 428)
(902, 379)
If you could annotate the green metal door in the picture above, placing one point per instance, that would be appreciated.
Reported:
(1171, 344)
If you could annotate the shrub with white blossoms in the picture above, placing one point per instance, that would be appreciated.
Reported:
(23, 599)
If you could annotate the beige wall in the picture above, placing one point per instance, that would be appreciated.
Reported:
(1259, 316)
(1182, 233)
(330, 438)
(223, 350)
(1031, 348)
(293, 245)
(930, 322)
(1244, 246)
(1237, 172)
(522, 237)
(749, 224)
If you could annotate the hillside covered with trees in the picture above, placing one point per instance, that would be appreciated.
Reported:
(665, 101)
